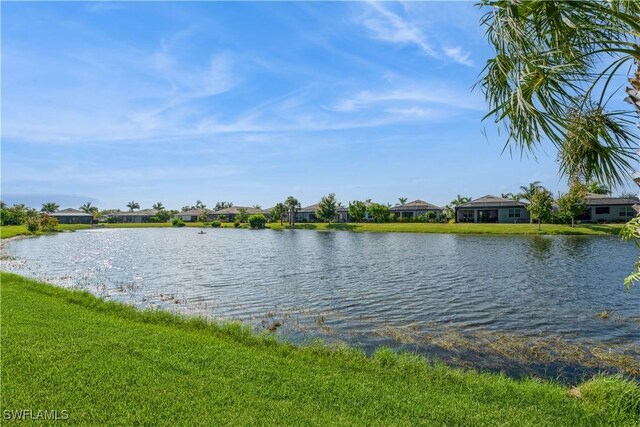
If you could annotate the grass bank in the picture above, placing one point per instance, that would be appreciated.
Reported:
(466, 228)
(8, 231)
(497, 229)
(108, 363)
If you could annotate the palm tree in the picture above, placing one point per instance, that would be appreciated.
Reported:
(511, 196)
(402, 200)
(292, 205)
(200, 205)
(256, 207)
(88, 208)
(549, 80)
(460, 200)
(528, 192)
(132, 205)
(278, 212)
(49, 207)
(597, 188)
(158, 206)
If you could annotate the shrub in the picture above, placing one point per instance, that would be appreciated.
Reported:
(155, 219)
(257, 221)
(216, 224)
(33, 224)
(430, 216)
(177, 222)
(236, 223)
(49, 223)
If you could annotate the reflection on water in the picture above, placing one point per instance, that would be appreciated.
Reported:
(350, 286)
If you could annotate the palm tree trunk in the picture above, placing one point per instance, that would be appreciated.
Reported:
(539, 225)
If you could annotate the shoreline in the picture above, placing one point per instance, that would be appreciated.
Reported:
(162, 361)
(7, 232)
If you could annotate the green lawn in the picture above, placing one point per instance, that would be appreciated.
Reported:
(514, 229)
(107, 363)
(7, 231)
(466, 228)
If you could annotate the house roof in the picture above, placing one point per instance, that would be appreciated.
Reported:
(311, 208)
(602, 200)
(143, 212)
(70, 212)
(235, 210)
(195, 212)
(416, 205)
(490, 201)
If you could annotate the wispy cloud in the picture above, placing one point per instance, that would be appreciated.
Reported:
(386, 25)
(459, 56)
(402, 28)
(410, 96)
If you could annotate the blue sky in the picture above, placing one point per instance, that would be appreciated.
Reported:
(249, 103)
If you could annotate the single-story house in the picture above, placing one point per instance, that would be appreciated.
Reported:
(610, 209)
(193, 215)
(143, 215)
(415, 209)
(492, 209)
(308, 214)
(229, 214)
(72, 216)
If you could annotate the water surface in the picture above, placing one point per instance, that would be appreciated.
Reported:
(363, 288)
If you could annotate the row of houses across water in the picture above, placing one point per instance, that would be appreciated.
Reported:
(487, 209)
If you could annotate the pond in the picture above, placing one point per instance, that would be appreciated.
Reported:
(485, 301)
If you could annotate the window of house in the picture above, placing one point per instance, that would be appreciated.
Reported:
(603, 210)
(514, 213)
(627, 211)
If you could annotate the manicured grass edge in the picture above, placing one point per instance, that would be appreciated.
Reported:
(612, 394)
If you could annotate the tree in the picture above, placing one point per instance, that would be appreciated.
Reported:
(511, 196)
(223, 205)
(550, 80)
(132, 205)
(597, 188)
(540, 205)
(528, 191)
(49, 207)
(628, 196)
(460, 200)
(380, 213)
(204, 215)
(402, 200)
(242, 215)
(200, 205)
(158, 206)
(293, 206)
(447, 212)
(357, 210)
(573, 203)
(257, 207)
(327, 208)
(278, 212)
(89, 208)
(257, 221)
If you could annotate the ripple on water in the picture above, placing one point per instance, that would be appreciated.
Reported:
(355, 282)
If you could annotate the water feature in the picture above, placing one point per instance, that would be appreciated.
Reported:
(424, 292)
